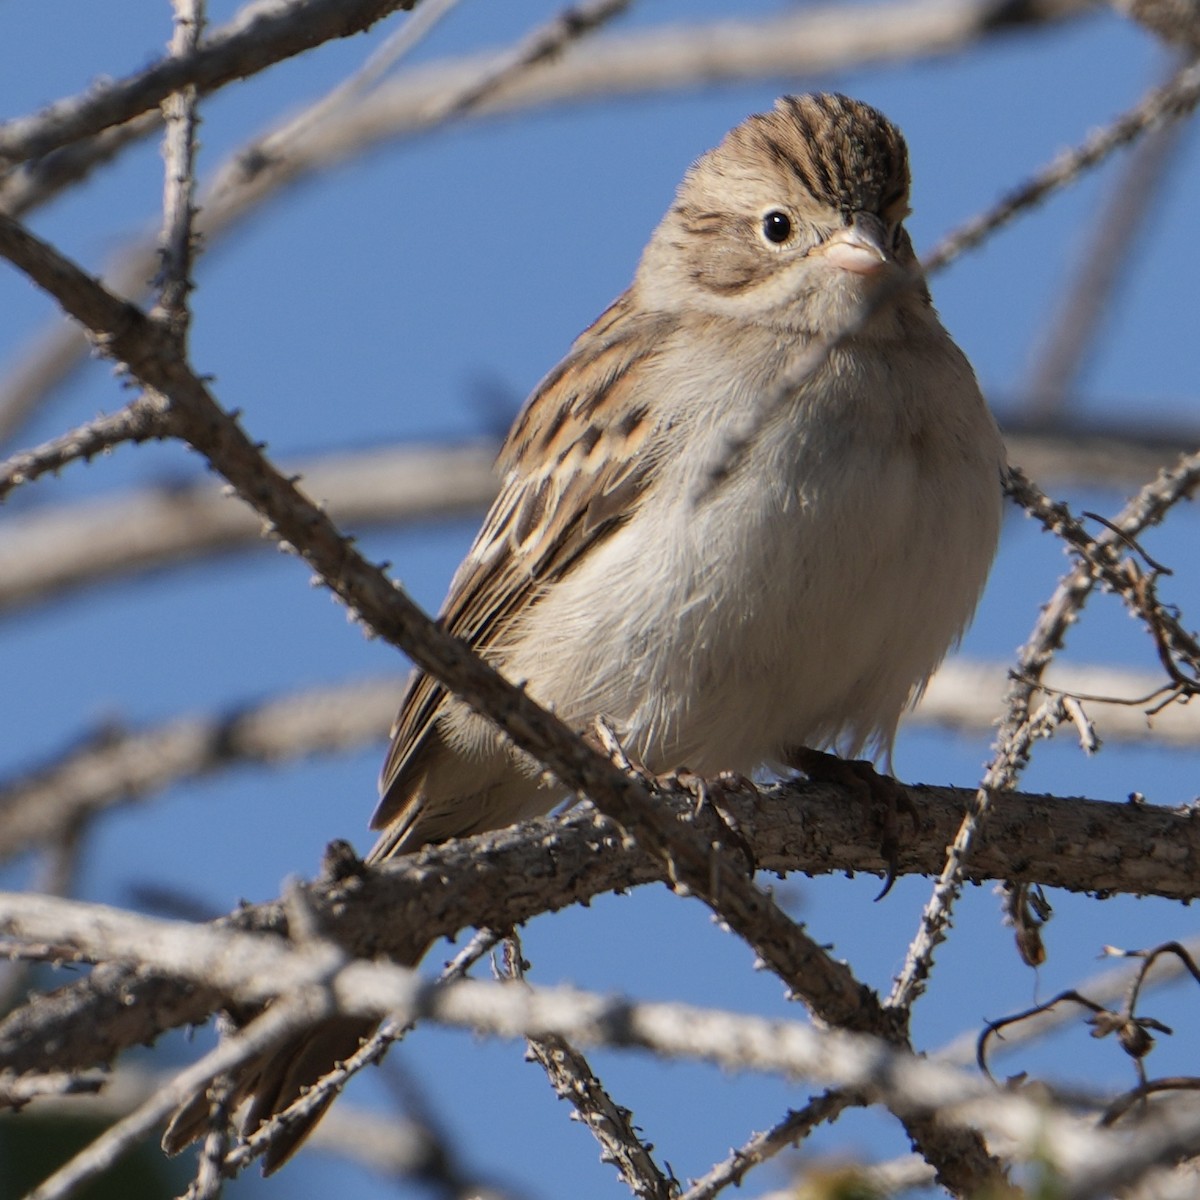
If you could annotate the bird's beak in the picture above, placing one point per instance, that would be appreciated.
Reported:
(860, 247)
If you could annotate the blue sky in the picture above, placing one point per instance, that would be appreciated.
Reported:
(419, 294)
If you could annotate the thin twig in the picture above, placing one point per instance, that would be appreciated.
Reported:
(543, 44)
(136, 422)
(610, 1124)
(259, 1141)
(1019, 729)
(762, 1147)
(1102, 264)
(242, 48)
(1103, 987)
(420, 23)
(176, 245)
(1120, 574)
(1175, 99)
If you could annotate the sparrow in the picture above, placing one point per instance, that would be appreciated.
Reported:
(724, 612)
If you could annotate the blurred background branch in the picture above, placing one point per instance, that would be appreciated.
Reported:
(1073, 424)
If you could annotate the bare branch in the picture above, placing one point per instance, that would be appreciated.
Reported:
(1068, 453)
(209, 1181)
(1173, 100)
(1175, 21)
(501, 879)
(762, 1147)
(259, 1036)
(316, 977)
(179, 157)
(260, 1141)
(1020, 728)
(34, 183)
(1104, 987)
(131, 995)
(58, 550)
(16, 1091)
(1102, 265)
(968, 697)
(261, 35)
(544, 44)
(116, 767)
(812, 41)
(136, 422)
(1100, 562)
(58, 875)
(610, 1124)
(387, 1145)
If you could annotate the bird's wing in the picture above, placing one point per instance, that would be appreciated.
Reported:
(574, 467)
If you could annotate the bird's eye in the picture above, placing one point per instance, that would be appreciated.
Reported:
(777, 227)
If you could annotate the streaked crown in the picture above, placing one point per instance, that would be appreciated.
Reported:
(846, 153)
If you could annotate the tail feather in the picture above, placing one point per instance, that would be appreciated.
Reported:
(272, 1082)
(444, 794)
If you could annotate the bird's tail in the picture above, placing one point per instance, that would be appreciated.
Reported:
(272, 1082)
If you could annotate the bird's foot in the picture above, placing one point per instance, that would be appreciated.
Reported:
(711, 794)
(883, 798)
(708, 793)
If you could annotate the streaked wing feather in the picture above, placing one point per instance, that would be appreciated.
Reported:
(575, 464)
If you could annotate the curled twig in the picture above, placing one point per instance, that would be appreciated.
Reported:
(1134, 1033)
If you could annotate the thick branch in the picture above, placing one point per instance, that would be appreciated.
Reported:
(502, 879)
(113, 766)
(318, 978)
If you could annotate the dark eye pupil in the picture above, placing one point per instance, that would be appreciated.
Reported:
(777, 227)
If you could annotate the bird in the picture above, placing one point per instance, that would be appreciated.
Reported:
(725, 602)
